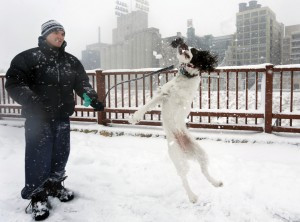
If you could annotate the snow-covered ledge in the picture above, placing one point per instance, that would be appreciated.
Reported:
(259, 66)
(287, 66)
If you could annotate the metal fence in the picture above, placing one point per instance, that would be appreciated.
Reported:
(259, 98)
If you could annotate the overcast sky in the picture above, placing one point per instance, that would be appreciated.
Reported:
(20, 20)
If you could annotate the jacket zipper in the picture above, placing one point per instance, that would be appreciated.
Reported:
(58, 89)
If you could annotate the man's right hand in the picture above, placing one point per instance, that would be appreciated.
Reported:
(97, 105)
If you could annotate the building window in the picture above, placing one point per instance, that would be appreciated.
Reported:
(262, 40)
(262, 60)
(262, 26)
(247, 42)
(247, 22)
(254, 41)
(247, 15)
(296, 36)
(254, 56)
(240, 36)
(262, 55)
(247, 62)
(254, 27)
(295, 44)
(254, 34)
(247, 49)
(262, 33)
(239, 29)
(240, 50)
(262, 49)
(247, 28)
(296, 51)
(263, 12)
(239, 23)
(262, 19)
(247, 35)
(254, 14)
(254, 20)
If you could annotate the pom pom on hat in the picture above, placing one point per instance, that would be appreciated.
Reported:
(51, 26)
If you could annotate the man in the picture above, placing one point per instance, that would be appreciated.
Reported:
(42, 80)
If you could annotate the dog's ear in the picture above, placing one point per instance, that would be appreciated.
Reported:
(177, 42)
(204, 60)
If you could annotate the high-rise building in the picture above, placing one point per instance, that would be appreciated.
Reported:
(286, 50)
(220, 45)
(291, 45)
(129, 24)
(169, 54)
(90, 58)
(199, 42)
(216, 45)
(134, 44)
(258, 36)
(91, 55)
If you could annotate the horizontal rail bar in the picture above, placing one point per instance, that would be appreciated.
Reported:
(227, 114)
(286, 116)
(286, 129)
(228, 127)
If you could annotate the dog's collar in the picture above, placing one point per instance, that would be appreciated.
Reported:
(183, 71)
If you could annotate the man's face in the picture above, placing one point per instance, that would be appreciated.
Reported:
(56, 38)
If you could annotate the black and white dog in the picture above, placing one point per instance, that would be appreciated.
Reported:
(175, 98)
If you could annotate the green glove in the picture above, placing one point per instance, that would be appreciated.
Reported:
(87, 100)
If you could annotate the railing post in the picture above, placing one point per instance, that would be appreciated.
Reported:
(268, 98)
(100, 80)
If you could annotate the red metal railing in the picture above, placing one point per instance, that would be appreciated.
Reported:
(259, 98)
(286, 98)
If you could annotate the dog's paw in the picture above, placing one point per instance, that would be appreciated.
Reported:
(218, 184)
(193, 198)
(134, 119)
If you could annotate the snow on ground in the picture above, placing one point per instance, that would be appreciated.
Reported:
(131, 178)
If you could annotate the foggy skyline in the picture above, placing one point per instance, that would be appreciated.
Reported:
(21, 20)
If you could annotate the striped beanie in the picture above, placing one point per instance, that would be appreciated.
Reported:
(51, 26)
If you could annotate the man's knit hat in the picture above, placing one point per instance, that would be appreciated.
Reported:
(51, 26)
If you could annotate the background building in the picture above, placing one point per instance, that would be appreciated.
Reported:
(291, 45)
(168, 53)
(134, 44)
(220, 45)
(286, 50)
(216, 45)
(91, 57)
(258, 36)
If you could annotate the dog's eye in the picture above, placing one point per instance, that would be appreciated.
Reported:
(190, 65)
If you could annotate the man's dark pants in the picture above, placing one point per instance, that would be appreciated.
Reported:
(46, 154)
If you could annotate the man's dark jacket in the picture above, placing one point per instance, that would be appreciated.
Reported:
(42, 80)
